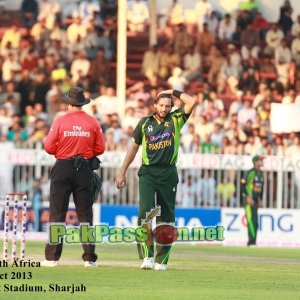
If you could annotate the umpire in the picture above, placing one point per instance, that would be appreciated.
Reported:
(159, 136)
(75, 139)
(252, 189)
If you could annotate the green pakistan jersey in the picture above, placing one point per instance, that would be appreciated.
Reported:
(254, 184)
(160, 140)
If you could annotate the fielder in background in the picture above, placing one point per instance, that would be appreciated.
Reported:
(252, 189)
(159, 135)
(75, 139)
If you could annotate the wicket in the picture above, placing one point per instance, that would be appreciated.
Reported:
(16, 198)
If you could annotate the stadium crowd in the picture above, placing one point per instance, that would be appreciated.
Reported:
(235, 66)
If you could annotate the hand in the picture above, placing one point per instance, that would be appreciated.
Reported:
(120, 181)
(250, 201)
(170, 92)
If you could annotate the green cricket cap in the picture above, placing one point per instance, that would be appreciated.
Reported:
(256, 158)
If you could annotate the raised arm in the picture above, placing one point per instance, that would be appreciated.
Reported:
(188, 101)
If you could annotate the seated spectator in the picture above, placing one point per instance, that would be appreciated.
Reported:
(273, 39)
(181, 40)
(261, 25)
(107, 103)
(150, 64)
(176, 14)
(228, 77)
(137, 16)
(226, 189)
(203, 10)
(250, 76)
(15, 132)
(10, 68)
(243, 19)
(188, 192)
(29, 12)
(285, 20)
(80, 67)
(246, 113)
(168, 60)
(11, 36)
(191, 64)
(217, 135)
(177, 81)
(48, 10)
(76, 30)
(250, 43)
(282, 61)
(87, 8)
(205, 40)
(208, 147)
(214, 61)
(40, 34)
(212, 23)
(226, 28)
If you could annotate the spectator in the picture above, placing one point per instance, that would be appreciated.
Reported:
(203, 10)
(250, 43)
(150, 64)
(227, 27)
(212, 23)
(11, 37)
(250, 76)
(214, 61)
(107, 103)
(29, 12)
(282, 61)
(181, 40)
(273, 39)
(76, 31)
(168, 60)
(205, 40)
(191, 64)
(137, 16)
(80, 67)
(87, 9)
(188, 192)
(246, 113)
(226, 189)
(261, 25)
(177, 81)
(176, 14)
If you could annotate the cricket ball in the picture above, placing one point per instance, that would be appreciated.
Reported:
(165, 234)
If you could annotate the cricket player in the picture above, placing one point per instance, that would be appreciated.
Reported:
(252, 193)
(159, 135)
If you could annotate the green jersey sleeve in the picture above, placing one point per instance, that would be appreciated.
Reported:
(137, 135)
(180, 116)
(249, 183)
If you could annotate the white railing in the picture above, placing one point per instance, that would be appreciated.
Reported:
(214, 180)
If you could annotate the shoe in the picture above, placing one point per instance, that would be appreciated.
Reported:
(49, 263)
(160, 267)
(148, 263)
(90, 264)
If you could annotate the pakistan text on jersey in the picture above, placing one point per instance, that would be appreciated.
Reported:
(160, 145)
(77, 133)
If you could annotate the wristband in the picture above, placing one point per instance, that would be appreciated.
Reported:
(177, 94)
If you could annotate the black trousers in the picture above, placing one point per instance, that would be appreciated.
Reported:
(65, 179)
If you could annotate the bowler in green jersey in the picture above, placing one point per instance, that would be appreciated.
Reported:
(159, 136)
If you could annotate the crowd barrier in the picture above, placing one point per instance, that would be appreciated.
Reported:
(206, 180)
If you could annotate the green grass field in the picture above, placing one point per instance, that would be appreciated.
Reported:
(194, 272)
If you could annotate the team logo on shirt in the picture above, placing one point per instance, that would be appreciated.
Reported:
(166, 124)
(150, 128)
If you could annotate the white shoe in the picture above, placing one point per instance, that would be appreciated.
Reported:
(49, 263)
(160, 267)
(148, 263)
(90, 264)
